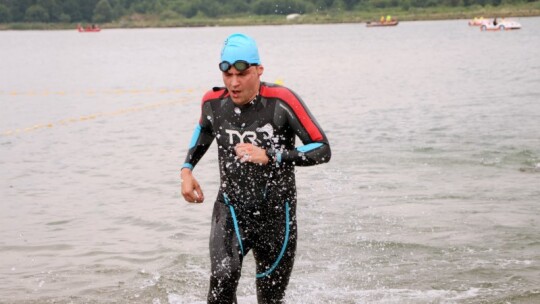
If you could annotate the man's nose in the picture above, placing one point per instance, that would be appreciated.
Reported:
(235, 81)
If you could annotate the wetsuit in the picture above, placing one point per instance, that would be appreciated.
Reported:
(256, 204)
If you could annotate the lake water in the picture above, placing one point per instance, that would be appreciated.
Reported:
(432, 194)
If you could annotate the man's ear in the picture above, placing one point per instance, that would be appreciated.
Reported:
(260, 70)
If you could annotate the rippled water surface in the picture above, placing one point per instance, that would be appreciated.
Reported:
(432, 194)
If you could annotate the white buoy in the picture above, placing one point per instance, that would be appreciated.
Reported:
(293, 16)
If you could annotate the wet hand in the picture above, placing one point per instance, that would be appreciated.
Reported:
(247, 152)
(191, 190)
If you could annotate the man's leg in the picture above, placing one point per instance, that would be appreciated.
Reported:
(272, 281)
(225, 257)
(271, 288)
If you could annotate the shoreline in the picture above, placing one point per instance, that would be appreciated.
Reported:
(413, 14)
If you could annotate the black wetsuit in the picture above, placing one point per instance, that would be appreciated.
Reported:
(256, 205)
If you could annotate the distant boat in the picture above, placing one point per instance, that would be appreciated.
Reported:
(478, 21)
(375, 24)
(90, 29)
(502, 25)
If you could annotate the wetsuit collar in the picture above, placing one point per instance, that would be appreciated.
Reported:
(249, 103)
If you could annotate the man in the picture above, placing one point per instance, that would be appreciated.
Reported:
(255, 125)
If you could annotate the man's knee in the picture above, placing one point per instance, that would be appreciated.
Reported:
(271, 289)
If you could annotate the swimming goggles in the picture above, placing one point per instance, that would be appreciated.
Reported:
(239, 65)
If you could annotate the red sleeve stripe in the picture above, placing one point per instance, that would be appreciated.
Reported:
(292, 101)
(210, 95)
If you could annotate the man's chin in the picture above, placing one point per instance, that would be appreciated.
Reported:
(238, 101)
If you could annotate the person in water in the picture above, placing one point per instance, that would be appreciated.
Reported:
(255, 125)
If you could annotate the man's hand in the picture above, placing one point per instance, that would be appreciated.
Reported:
(249, 153)
(191, 190)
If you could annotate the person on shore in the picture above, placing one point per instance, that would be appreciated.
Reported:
(255, 124)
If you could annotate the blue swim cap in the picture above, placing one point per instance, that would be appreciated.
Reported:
(240, 47)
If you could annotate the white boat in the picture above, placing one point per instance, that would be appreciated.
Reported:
(502, 25)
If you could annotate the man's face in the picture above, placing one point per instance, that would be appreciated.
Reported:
(243, 86)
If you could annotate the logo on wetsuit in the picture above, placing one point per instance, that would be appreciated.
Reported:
(266, 130)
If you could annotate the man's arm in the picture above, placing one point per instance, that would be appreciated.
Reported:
(316, 148)
(200, 142)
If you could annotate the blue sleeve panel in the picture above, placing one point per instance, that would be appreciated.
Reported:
(200, 142)
(308, 147)
(195, 137)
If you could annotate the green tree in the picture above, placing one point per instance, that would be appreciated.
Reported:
(71, 8)
(169, 15)
(118, 10)
(52, 7)
(64, 18)
(419, 3)
(187, 8)
(18, 9)
(103, 11)
(236, 6)
(264, 7)
(324, 4)
(406, 4)
(380, 3)
(86, 7)
(5, 15)
(350, 4)
(338, 5)
(280, 7)
(36, 13)
(108, 10)
(210, 8)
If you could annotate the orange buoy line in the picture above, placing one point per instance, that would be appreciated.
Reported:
(72, 120)
(92, 92)
(90, 117)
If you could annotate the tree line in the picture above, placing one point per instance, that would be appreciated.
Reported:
(100, 11)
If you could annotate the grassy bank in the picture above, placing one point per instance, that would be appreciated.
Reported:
(435, 13)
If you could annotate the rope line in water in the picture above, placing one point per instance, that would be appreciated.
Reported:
(72, 120)
(93, 93)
